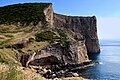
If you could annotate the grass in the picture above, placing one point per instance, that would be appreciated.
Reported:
(12, 38)
(8, 55)
(9, 35)
(3, 61)
(44, 36)
(8, 58)
(35, 46)
(11, 74)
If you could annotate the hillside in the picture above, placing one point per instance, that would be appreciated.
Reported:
(24, 13)
(33, 36)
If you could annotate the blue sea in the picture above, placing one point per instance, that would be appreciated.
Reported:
(109, 58)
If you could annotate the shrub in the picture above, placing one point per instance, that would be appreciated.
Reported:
(51, 37)
(24, 13)
(63, 39)
(44, 36)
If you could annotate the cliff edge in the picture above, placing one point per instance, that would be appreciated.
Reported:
(81, 26)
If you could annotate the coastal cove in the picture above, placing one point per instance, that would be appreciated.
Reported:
(109, 66)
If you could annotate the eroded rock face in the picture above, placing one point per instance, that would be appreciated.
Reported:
(82, 36)
(78, 52)
(85, 26)
(74, 53)
(49, 15)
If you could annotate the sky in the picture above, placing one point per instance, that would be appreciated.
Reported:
(106, 11)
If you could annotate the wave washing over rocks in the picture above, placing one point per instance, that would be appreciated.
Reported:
(63, 71)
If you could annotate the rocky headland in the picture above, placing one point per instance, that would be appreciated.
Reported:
(52, 44)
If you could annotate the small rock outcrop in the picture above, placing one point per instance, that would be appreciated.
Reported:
(49, 15)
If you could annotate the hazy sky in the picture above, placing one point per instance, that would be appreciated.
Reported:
(106, 11)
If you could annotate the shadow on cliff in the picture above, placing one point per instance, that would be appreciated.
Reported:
(93, 56)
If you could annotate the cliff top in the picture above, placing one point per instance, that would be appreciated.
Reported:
(74, 16)
(23, 13)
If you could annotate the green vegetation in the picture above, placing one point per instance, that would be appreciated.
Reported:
(4, 43)
(3, 61)
(8, 66)
(24, 13)
(9, 35)
(51, 37)
(45, 36)
(63, 39)
(31, 47)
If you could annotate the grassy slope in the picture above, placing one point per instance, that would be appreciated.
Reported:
(23, 13)
(11, 33)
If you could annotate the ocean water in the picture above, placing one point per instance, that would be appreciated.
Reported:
(109, 69)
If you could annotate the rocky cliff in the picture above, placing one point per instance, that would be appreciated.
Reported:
(74, 53)
(49, 14)
(70, 41)
(82, 26)
(82, 37)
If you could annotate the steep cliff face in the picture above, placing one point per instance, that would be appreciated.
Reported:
(82, 26)
(72, 36)
(82, 37)
(49, 14)
(74, 53)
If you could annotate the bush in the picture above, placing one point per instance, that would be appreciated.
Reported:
(44, 36)
(51, 37)
(63, 39)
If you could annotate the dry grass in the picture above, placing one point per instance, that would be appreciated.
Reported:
(13, 72)
(8, 55)
(10, 72)
(13, 38)
(35, 46)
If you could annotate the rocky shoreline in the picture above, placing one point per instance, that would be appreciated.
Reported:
(70, 70)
